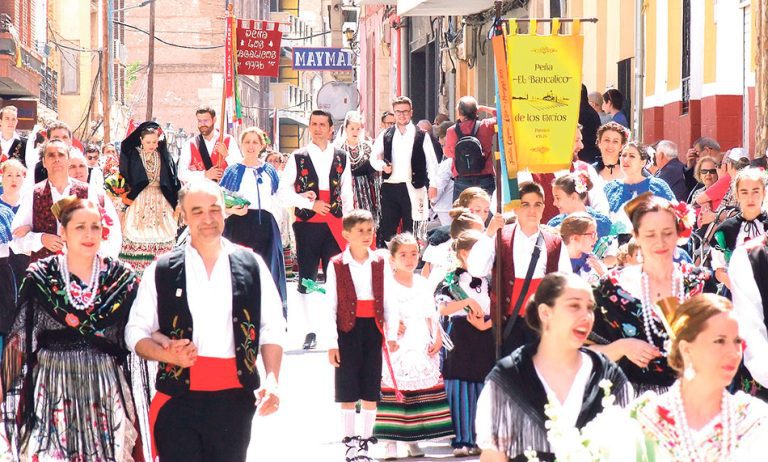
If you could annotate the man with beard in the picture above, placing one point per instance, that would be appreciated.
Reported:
(207, 154)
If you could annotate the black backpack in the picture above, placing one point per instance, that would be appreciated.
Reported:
(468, 155)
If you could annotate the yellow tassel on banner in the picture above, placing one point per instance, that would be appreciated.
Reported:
(555, 26)
(576, 28)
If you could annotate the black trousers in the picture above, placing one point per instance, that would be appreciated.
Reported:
(314, 244)
(359, 375)
(205, 426)
(395, 207)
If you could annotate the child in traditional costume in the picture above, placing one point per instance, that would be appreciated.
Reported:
(359, 312)
(465, 301)
(413, 406)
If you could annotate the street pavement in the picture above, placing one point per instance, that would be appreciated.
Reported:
(308, 425)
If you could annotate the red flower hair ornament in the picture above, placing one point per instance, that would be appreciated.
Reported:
(106, 223)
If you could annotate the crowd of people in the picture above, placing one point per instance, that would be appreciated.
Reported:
(631, 289)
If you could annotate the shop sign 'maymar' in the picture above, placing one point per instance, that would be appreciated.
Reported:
(322, 59)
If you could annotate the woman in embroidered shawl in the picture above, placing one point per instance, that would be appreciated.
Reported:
(149, 225)
(366, 181)
(254, 225)
(64, 376)
(556, 369)
(698, 419)
(628, 328)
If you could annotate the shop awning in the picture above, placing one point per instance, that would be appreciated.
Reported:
(442, 7)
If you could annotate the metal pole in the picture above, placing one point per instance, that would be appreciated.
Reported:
(151, 62)
(637, 132)
(105, 58)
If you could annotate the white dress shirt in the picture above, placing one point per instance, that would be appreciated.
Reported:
(185, 156)
(483, 253)
(210, 303)
(33, 241)
(402, 149)
(362, 279)
(748, 306)
(322, 161)
(5, 145)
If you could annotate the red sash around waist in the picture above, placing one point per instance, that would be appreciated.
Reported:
(207, 374)
(334, 223)
(517, 288)
(365, 309)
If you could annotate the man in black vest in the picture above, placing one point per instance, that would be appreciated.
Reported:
(12, 145)
(205, 311)
(317, 181)
(409, 165)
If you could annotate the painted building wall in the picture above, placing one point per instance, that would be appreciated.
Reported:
(721, 80)
(75, 24)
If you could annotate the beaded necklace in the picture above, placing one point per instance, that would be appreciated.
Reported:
(687, 444)
(649, 309)
(85, 298)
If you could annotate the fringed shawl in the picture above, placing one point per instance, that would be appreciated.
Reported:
(518, 404)
(46, 318)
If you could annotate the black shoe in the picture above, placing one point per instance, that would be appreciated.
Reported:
(310, 341)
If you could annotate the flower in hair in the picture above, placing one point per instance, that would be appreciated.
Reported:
(580, 185)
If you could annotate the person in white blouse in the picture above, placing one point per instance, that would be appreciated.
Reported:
(317, 181)
(208, 385)
(407, 159)
(519, 242)
(78, 170)
(207, 154)
(556, 369)
(748, 273)
(255, 225)
(35, 228)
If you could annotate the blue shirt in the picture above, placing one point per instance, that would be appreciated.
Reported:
(603, 222)
(619, 193)
(620, 118)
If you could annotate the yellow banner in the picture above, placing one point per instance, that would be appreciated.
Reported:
(544, 74)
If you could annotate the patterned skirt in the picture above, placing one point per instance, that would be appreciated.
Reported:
(149, 229)
(423, 415)
(83, 410)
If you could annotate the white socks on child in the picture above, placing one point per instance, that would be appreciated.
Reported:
(369, 419)
(348, 419)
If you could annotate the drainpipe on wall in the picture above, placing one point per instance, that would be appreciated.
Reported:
(403, 50)
(637, 132)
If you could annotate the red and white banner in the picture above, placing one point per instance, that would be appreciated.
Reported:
(258, 47)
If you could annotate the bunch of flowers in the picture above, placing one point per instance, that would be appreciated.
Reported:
(590, 444)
